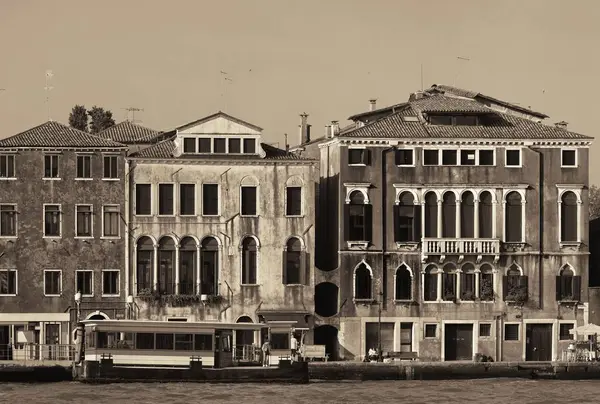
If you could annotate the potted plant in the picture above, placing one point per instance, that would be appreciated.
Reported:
(517, 295)
(486, 290)
(467, 295)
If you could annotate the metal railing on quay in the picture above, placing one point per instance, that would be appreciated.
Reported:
(37, 352)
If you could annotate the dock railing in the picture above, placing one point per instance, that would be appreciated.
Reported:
(37, 352)
(247, 353)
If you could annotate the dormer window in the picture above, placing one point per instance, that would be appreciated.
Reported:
(204, 145)
(189, 145)
(235, 146)
(453, 120)
(218, 145)
(249, 146)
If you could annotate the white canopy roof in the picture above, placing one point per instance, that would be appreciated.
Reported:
(588, 329)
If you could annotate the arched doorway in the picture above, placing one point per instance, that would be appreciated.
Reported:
(328, 335)
(326, 299)
(97, 315)
(244, 339)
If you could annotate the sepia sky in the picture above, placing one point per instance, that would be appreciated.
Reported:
(284, 57)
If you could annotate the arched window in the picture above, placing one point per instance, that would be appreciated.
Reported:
(431, 215)
(293, 262)
(568, 286)
(515, 284)
(209, 266)
(249, 258)
(359, 219)
(144, 265)
(486, 283)
(485, 215)
(467, 282)
(187, 266)
(467, 215)
(403, 283)
(166, 258)
(449, 215)
(514, 217)
(407, 215)
(362, 282)
(449, 292)
(568, 217)
(430, 282)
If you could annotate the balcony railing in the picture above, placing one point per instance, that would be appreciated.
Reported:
(463, 246)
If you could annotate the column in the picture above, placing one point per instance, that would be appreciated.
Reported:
(457, 213)
(494, 218)
(439, 218)
(477, 281)
(476, 218)
(579, 220)
(198, 279)
(133, 276)
(458, 283)
(423, 218)
(523, 219)
(155, 266)
(439, 285)
(176, 268)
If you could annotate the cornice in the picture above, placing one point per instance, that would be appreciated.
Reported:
(378, 142)
(171, 161)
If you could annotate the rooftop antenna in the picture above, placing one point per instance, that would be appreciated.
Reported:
(421, 76)
(226, 81)
(459, 59)
(48, 88)
(133, 110)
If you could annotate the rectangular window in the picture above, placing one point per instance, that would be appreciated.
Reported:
(204, 145)
(568, 158)
(430, 330)
(111, 167)
(7, 166)
(249, 146)
(357, 156)
(210, 199)
(144, 340)
(564, 331)
(449, 157)
(111, 218)
(405, 157)
(219, 145)
(235, 145)
(485, 330)
(431, 157)
(52, 221)
(52, 282)
(280, 341)
(440, 119)
(189, 145)
(486, 157)
(467, 157)
(165, 199)
(8, 220)
(203, 342)
(8, 282)
(248, 201)
(513, 158)
(143, 199)
(293, 205)
(184, 342)
(51, 166)
(83, 227)
(110, 282)
(511, 332)
(84, 166)
(84, 282)
(164, 341)
(187, 199)
(465, 120)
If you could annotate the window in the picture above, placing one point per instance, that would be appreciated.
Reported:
(235, 145)
(166, 199)
(184, 342)
(249, 258)
(486, 157)
(7, 166)
(430, 330)
(8, 220)
(165, 341)
(511, 332)
(218, 145)
(209, 266)
(51, 166)
(513, 158)
(187, 199)
(430, 282)
(485, 330)
(564, 331)
(569, 218)
(467, 157)
(403, 283)
(52, 282)
(248, 201)
(143, 199)
(111, 219)
(486, 216)
(467, 282)
(84, 282)
(363, 283)
(449, 277)
(358, 157)
(203, 342)
(406, 331)
(515, 285)
(280, 340)
(8, 282)
(405, 157)
(513, 218)
(431, 157)
(467, 215)
(145, 265)
(293, 262)
(465, 120)
(456, 120)
(249, 146)
(449, 157)
(407, 219)
(293, 206)
(111, 167)
(166, 260)
(449, 206)
(210, 199)
(188, 257)
(568, 158)
(486, 283)
(431, 215)
(144, 340)
(189, 145)
(52, 221)
(568, 286)
(84, 166)
(358, 215)
(110, 282)
(204, 145)
(440, 119)
(83, 221)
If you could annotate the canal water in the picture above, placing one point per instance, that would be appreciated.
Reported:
(504, 391)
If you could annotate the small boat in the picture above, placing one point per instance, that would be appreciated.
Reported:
(161, 351)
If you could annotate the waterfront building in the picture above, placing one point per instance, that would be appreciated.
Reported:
(449, 225)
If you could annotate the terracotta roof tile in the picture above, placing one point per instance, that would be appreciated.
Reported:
(129, 133)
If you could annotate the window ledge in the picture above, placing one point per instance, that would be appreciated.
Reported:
(8, 178)
(568, 301)
(575, 166)
(364, 301)
(405, 302)
(405, 165)
(359, 244)
(357, 164)
(111, 179)
(144, 215)
(8, 295)
(509, 166)
(249, 216)
(253, 285)
(45, 295)
(117, 295)
(182, 215)
(110, 238)
(213, 216)
(575, 244)
(290, 284)
(407, 245)
(164, 215)
(83, 237)
(294, 216)
(8, 237)
(52, 237)
(84, 179)
(82, 296)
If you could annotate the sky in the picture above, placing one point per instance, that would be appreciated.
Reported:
(285, 57)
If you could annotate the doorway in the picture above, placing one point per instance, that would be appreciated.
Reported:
(458, 342)
(5, 348)
(538, 342)
(223, 350)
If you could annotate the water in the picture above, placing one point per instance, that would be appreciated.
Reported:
(504, 391)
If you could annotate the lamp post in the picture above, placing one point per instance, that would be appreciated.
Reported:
(379, 353)
(77, 303)
(129, 306)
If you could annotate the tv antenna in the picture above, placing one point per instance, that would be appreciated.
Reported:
(48, 88)
(226, 81)
(133, 110)
(458, 60)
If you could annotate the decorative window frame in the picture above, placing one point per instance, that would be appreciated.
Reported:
(577, 190)
(412, 283)
(438, 272)
(574, 149)
(372, 298)
(360, 187)
(103, 294)
(91, 206)
(523, 192)
(77, 271)
(566, 265)
(516, 264)
(284, 248)
(520, 149)
(356, 147)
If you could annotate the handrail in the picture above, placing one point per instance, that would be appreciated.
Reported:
(37, 352)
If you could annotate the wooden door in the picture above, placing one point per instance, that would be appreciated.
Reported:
(458, 342)
(538, 343)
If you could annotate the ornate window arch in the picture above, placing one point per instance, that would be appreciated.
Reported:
(363, 281)
(431, 216)
(569, 215)
(166, 264)
(514, 215)
(403, 282)
(294, 262)
(358, 215)
(407, 218)
(568, 284)
(431, 283)
(249, 247)
(145, 256)
(188, 261)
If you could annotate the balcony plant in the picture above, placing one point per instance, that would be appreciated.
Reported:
(467, 295)
(449, 296)
(486, 290)
(517, 295)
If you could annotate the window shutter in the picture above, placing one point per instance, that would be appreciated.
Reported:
(367, 157)
(463, 279)
(347, 222)
(524, 283)
(284, 268)
(504, 287)
(417, 224)
(368, 222)
(558, 288)
(577, 288)
(444, 276)
(305, 268)
(396, 223)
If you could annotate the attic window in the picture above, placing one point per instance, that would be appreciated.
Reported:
(219, 145)
(249, 146)
(235, 145)
(453, 120)
(204, 145)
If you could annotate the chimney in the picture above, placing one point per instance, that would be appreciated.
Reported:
(327, 131)
(416, 96)
(304, 129)
(372, 104)
(287, 145)
(335, 128)
(561, 125)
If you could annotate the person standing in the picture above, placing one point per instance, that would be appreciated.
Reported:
(266, 351)
(294, 346)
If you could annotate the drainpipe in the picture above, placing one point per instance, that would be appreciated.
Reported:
(127, 224)
(541, 225)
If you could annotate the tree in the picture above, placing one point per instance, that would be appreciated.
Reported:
(78, 118)
(101, 119)
(594, 196)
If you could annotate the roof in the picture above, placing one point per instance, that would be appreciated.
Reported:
(166, 148)
(216, 115)
(57, 135)
(129, 133)
(377, 111)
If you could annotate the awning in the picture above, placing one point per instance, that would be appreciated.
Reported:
(585, 330)
(303, 319)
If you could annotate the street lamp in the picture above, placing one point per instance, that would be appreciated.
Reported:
(129, 306)
(77, 303)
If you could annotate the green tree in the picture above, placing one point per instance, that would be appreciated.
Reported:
(101, 119)
(78, 118)
(594, 196)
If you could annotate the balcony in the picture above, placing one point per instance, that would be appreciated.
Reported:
(460, 247)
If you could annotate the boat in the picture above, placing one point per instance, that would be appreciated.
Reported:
(163, 351)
